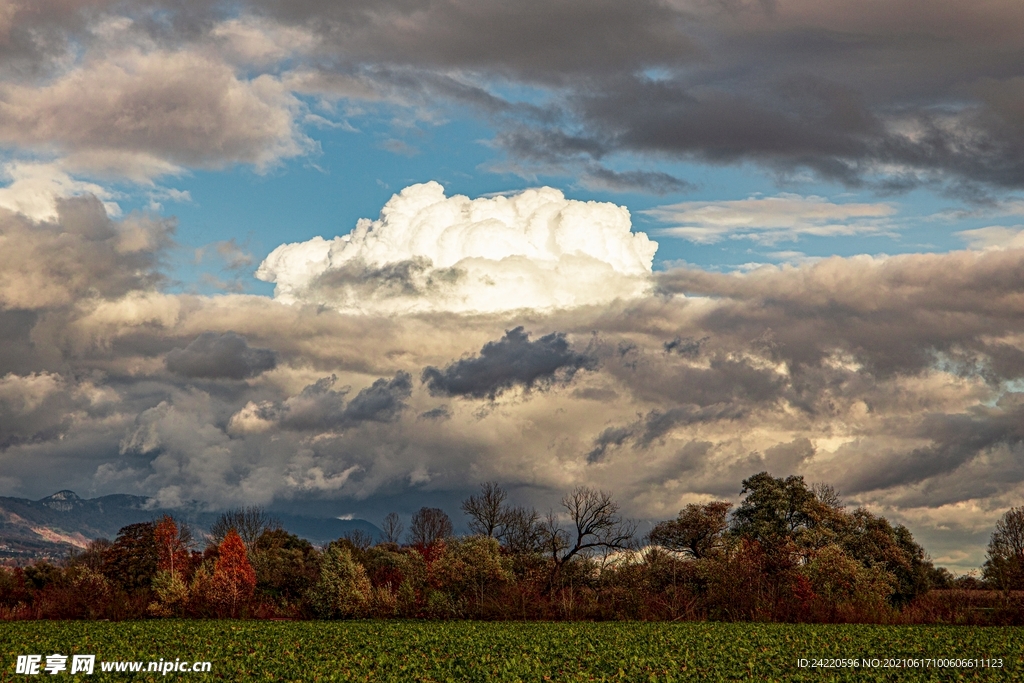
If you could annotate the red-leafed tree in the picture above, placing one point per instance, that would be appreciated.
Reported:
(173, 565)
(172, 554)
(233, 581)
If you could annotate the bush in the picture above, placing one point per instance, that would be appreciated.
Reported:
(845, 590)
(470, 570)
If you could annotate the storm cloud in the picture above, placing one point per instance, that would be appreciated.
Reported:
(214, 356)
(509, 362)
(320, 407)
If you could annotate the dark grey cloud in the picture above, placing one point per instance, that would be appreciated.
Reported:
(382, 401)
(610, 438)
(439, 413)
(792, 88)
(789, 86)
(19, 353)
(687, 346)
(541, 41)
(894, 315)
(35, 408)
(320, 407)
(511, 361)
(956, 440)
(806, 124)
(656, 424)
(654, 182)
(220, 356)
(692, 458)
(722, 380)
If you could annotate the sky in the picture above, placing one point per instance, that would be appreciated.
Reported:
(349, 258)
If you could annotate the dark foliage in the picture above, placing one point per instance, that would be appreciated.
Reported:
(131, 561)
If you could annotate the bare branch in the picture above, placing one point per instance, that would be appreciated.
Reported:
(522, 532)
(597, 523)
(430, 525)
(486, 511)
(248, 522)
(392, 529)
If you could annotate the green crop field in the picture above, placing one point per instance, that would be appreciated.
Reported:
(503, 651)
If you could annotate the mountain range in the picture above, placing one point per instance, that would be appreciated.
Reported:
(56, 525)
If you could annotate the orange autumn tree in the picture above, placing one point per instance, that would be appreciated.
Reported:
(233, 581)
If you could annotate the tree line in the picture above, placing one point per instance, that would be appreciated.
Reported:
(787, 552)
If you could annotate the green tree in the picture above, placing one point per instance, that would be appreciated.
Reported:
(286, 566)
(846, 589)
(343, 589)
(1004, 565)
(873, 541)
(774, 510)
(698, 530)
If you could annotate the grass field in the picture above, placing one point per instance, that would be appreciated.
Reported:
(503, 651)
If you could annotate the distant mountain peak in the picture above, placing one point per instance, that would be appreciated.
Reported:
(62, 501)
(63, 495)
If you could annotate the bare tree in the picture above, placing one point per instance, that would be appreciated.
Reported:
(698, 530)
(553, 538)
(595, 524)
(359, 539)
(486, 511)
(521, 531)
(392, 528)
(828, 495)
(249, 522)
(429, 525)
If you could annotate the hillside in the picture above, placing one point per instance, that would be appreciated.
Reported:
(55, 525)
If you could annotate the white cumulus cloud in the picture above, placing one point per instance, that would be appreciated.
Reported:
(429, 252)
